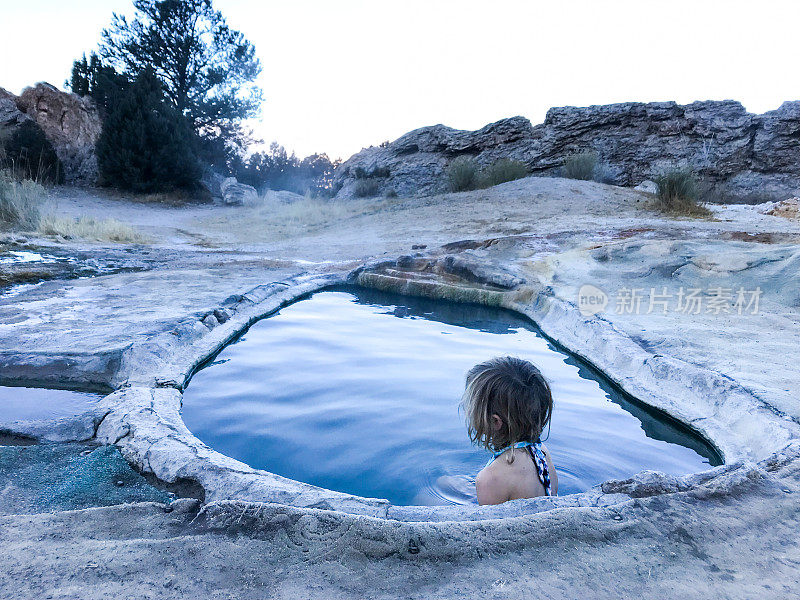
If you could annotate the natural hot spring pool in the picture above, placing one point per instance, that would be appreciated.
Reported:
(357, 391)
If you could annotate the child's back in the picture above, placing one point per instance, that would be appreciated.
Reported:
(501, 481)
(508, 404)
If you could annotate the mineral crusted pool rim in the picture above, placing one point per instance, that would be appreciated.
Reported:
(142, 417)
(273, 456)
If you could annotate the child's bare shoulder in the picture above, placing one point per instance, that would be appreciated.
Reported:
(487, 474)
(491, 485)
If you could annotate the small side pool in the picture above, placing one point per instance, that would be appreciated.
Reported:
(358, 391)
(43, 404)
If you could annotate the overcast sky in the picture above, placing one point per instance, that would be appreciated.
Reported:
(343, 74)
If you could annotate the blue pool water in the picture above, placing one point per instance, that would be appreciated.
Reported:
(41, 404)
(358, 391)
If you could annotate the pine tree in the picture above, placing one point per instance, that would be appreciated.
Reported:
(80, 79)
(101, 82)
(146, 145)
(207, 69)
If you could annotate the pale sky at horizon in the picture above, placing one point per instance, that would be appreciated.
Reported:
(341, 75)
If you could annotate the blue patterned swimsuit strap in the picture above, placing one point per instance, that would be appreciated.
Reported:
(538, 458)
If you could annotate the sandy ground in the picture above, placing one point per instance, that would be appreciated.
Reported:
(735, 540)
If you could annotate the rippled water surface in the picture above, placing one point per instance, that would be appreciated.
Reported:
(358, 391)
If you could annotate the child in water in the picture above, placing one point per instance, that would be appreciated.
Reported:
(508, 404)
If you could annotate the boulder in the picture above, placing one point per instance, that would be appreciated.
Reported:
(739, 153)
(212, 182)
(282, 197)
(648, 186)
(237, 194)
(71, 124)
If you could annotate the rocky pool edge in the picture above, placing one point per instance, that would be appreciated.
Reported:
(142, 416)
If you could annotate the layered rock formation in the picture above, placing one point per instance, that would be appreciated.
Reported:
(417, 162)
(71, 124)
(741, 154)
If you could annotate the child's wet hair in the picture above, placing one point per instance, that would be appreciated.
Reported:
(513, 389)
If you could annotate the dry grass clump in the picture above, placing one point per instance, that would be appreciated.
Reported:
(678, 194)
(90, 228)
(310, 212)
(21, 205)
(502, 171)
(580, 166)
(174, 198)
(367, 188)
(464, 175)
(273, 219)
(307, 211)
(20, 202)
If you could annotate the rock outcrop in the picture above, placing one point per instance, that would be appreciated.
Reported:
(739, 153)
(237, 194)
(211, 182)
(11, 116)
(788, 209)
(23, 145)
(417, 162)
(71, 124)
